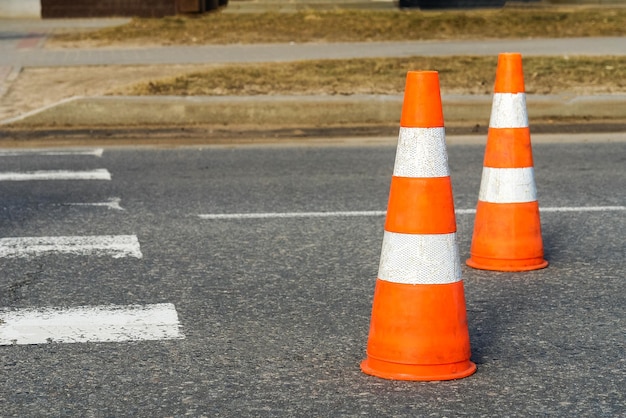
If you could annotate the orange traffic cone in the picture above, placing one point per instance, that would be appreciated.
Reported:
(507, 229)
(418, 328)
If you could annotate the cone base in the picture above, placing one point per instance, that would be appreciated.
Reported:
(417, 372)
(493, 264)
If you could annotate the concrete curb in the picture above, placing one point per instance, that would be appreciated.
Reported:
(297, 111)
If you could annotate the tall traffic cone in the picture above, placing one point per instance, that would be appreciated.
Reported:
(418, 329)
(507, 229)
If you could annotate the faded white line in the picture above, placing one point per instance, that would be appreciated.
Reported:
(278, 215)
(98, 174)
(584, 209)
(97, 152)
(90, 324)
(113, 203)
(289, 215)
(116, 246)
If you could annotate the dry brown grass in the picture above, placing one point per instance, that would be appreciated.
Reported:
(353, 25)
(466, 75)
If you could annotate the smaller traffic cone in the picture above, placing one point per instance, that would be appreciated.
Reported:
(418, 329)
(507, 229)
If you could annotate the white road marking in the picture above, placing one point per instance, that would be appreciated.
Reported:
(116, 246)
(89, 324)
(112, 203)
(289, 215)
(98, 174)
(97, 152)
(465, 211)
(277, 215)
(584, 209)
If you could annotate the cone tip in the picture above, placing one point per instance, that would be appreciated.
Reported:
(510, 55)
(509, 74)
(421, 107)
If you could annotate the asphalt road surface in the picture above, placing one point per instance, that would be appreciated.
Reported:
(268, 316)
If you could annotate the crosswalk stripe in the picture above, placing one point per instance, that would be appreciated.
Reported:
(112, 203)
(97, 174)
(96, 152)
(116, 246)
(89, 324)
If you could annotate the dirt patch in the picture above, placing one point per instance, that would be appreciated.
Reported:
(458, 75)
(39, 87)
(357, 26)
(35, 88)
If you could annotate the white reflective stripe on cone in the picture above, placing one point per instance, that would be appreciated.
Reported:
(507, 185)
(421, 152)
(509, 111)
(419, 259)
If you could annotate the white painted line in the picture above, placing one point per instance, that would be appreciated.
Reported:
(278, 215)
(584, 209)
(97, 152)
(113, 203)
(116, 246)
(98, 174)
(465, 211)
(90, 324)
(289, 215)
